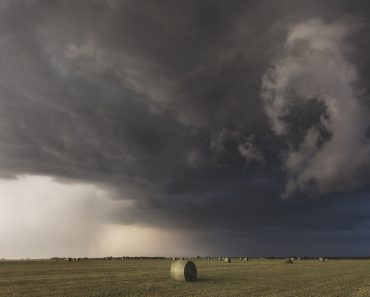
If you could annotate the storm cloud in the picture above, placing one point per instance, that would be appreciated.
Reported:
(315, 67)
(237, 120)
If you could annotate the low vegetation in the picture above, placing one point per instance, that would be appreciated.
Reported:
(145, 277)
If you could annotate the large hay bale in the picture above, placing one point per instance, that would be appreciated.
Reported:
(184, 271)
(289, 261)
(227, 260)
(246, 259)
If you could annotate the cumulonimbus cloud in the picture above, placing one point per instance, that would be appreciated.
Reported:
(245, 145)
(315, 66)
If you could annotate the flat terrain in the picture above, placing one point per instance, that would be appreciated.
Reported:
(152, 278)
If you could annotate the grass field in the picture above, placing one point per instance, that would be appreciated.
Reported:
(216, 278)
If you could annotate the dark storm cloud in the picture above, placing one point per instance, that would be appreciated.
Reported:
(161, 101)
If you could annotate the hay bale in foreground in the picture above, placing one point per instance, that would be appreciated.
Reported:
(184, 271)
(227, 260)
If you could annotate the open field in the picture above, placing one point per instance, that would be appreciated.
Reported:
(216, 278)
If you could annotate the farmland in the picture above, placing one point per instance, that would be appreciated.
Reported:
(273, 278)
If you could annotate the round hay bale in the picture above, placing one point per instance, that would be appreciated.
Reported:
(246, 259)
(227, 260)
(288, 261)
(184, 271)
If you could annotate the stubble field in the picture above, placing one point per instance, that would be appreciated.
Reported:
(272, 278)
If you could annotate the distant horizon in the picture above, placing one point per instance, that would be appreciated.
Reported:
(115, 257)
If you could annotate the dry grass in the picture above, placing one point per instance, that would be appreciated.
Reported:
(271, 278)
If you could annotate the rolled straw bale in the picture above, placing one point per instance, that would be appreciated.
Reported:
(183, 270)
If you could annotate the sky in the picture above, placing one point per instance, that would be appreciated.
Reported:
(184, 128)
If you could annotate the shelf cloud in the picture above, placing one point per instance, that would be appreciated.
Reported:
(240, 127)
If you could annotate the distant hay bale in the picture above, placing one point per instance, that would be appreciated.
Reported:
(321, 259)
(289, 261)
(184, 271)
(246, 259)
(227, 260)
(219, 258)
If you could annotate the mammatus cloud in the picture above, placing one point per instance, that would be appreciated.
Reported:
(333, 153)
